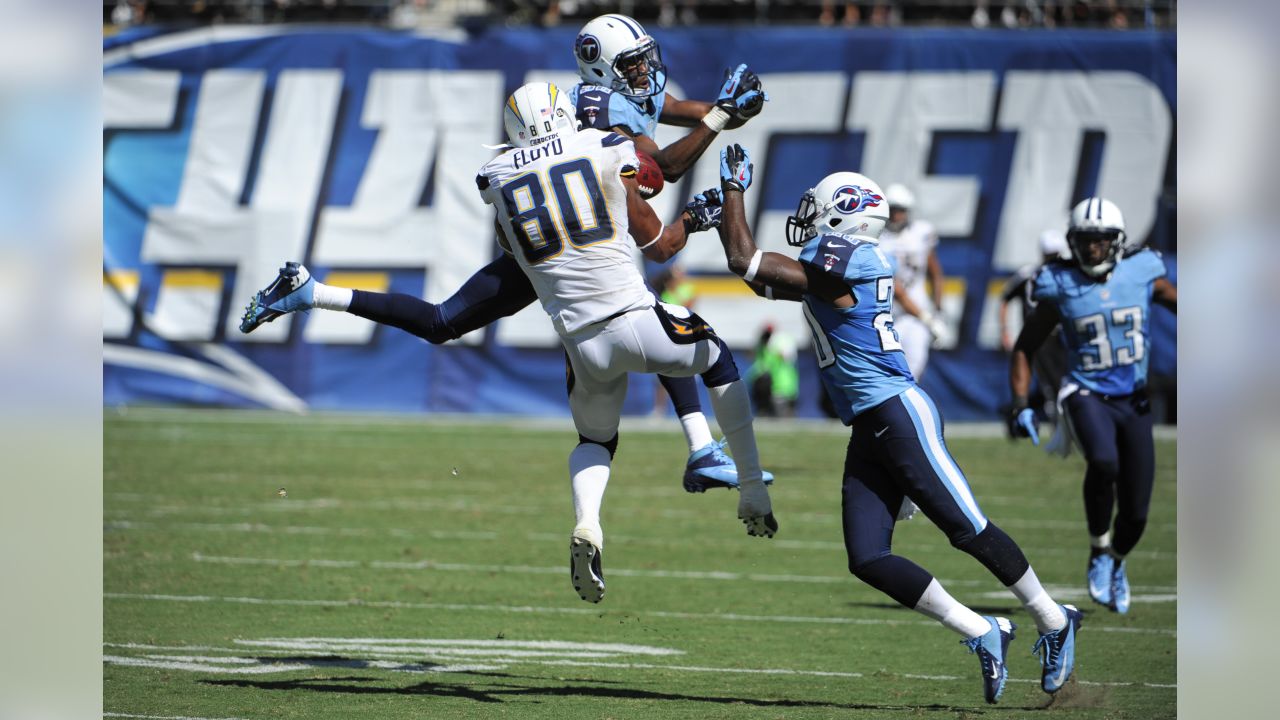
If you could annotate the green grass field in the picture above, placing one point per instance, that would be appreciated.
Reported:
(418, 569)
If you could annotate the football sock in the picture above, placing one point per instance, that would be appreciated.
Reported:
(733, 411)
(998, 553)
(1099, 544)
(413, 315)
(683, 392)
(696, 430)
(331, 297)
(1047, 613)
(589, 472)
(938, 604)
(1100, 495)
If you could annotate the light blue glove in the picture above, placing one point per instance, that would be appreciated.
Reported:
(736, 168)
(741, 95)
(1024, 425)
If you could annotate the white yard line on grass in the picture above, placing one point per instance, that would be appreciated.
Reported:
(339, 646)
(544, 610)
(162, 717)
(620, 572)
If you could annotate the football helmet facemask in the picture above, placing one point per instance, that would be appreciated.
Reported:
(846, 203)
(1096, 220)
(616, 52)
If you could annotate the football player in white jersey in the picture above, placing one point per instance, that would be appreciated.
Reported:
(570, 213)
(913, 244)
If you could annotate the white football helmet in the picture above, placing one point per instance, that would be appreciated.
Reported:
(616, 52)
(1090, 219)
(538, 112)
(846, 203)
(900, 197)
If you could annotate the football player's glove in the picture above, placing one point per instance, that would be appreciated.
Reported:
(736, 168)
(1022, 423)
(703, 212)
(741, 95)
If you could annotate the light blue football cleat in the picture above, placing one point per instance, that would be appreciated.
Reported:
(709, 467)
(1120, 589)
(291, 291)
(991, 649)
(1101, 568)
(1057, 650)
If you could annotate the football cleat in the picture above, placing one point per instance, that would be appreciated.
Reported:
(991, 649)
(1101, 567)
(1120, 589)
(585, 564)
(755, 510)
(1057, 650)
(291, 291)
(709, 467)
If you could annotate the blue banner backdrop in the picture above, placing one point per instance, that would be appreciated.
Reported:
(229, 150)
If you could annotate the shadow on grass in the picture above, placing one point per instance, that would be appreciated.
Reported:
(496, 687)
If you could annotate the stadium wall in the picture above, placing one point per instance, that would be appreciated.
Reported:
(228, 150)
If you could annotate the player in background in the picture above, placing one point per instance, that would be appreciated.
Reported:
(573, 236)
(913, 245)
(623, 89)
(1050, 361)
(896, 448)
(1103, 303)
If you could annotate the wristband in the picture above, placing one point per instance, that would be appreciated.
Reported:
(768, 293)
(716, 119)
(655, 239)
(750, 274)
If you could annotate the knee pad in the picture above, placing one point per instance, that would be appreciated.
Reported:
(723, 371)
(611, 445)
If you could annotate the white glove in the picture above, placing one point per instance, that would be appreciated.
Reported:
(756, 510)
(907, 510)
(936, 324)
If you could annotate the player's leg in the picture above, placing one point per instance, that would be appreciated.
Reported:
(869, 504)
(916, 453)
(708, 466)
(1093, 423)
(596, 404)
(681, 345)
(1133, 489)
(497, 290)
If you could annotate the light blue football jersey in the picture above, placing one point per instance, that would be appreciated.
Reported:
(1105, 322)
(861, 360)
(603, 109)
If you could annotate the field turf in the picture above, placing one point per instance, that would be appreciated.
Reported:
(418, 569)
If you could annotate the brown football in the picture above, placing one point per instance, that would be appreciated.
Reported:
(649, 176)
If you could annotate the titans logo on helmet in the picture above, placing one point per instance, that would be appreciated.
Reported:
(849, 199)
(588, 48)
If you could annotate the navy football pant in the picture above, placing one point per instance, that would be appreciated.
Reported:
(499, 289)
(1115, 435)
(897, 450)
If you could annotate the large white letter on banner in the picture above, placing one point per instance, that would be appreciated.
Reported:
(900, 112)
(1051, 112)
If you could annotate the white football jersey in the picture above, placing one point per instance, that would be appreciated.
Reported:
(562, 209)
(910, 247)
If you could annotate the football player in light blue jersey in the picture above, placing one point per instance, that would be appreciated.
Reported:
(1103, 303)
(623, 89)
(896, 451)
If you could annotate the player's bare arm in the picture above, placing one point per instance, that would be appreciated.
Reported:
(933, 272)
(658, 242)
(688, 113)
(1165, 294)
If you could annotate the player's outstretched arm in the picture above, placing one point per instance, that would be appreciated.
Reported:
(658, 242)
(1165, 294)
(741, 98)
(745, 259)
(1022, 421)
